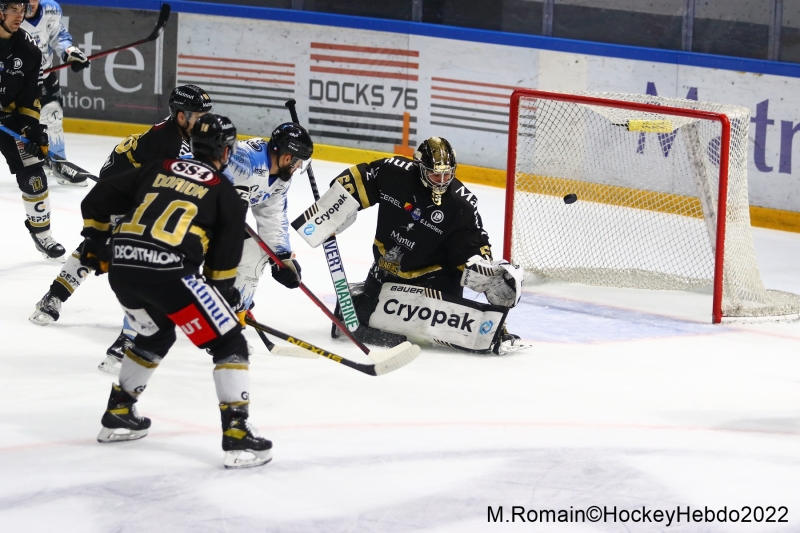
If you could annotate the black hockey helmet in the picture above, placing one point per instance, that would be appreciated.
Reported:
(27, 10)
(211, 134)
(291, 138)
(437, 165)
(189, 98)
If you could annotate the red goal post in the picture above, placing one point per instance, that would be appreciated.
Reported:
(624, 133)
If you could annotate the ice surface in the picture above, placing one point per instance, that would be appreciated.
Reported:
(628, 398)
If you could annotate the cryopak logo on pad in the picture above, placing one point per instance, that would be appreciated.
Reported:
(309, 229)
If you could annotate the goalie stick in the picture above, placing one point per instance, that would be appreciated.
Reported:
(279, 262)
(62, 166)
(163, 17)
(332, 255)
(385, 362)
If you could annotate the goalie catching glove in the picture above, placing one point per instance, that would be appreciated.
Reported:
(499, 280)
(289, 274)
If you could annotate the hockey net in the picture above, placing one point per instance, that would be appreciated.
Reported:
(650, 174)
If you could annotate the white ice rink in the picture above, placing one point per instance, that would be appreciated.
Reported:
(627, 398)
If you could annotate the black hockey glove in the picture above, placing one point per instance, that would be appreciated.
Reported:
(76, 58)
(233, 297)
(37, 135)
(96, 255)
(289, 274)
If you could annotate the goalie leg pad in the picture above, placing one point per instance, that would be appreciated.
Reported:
(426, 314)
(331, 214)
(499, 280)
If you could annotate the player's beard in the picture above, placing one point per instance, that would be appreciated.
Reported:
(285, 173)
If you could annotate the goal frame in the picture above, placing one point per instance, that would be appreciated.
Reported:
(722, 201)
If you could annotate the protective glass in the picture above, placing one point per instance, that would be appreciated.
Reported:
(300, 164)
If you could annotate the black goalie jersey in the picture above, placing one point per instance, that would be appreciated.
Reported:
(179, 213)
(414, 236)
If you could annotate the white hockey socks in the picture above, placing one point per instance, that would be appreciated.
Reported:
(137, 368)
(73, 273)
(52, 116)
(37, 210)
(232, 380)
(250, 269)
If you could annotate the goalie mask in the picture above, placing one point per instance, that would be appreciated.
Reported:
(436, 160)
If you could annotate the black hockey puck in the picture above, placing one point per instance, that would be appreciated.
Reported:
(570, 198)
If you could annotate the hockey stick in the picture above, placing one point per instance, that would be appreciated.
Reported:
(275, 259)
(62, 166)
(292, 351)
(163, 17)
(385, 362)
(332, 255)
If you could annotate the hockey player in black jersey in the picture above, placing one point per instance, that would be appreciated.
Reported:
(20, 90)
(180, 214)
(429, 235)
(167, 139)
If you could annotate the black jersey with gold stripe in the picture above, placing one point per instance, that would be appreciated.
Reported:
(21, 77)
(179, 212)
(414, 236)
(162, 141)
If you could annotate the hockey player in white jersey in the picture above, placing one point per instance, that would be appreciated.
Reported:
(45, 26)
(261, 171)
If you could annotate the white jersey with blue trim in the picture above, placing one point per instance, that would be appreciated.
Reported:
(248, 169)
(48, 31)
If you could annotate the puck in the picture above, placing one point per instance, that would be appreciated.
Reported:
(570, 198)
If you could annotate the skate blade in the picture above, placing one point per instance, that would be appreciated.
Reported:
(60, 259)
(234, 459)
(110, 365)
(110, 435)
(41, 319)
(69, 183)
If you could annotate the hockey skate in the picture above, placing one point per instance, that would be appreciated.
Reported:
(121, 422)
(508, 342)
(48, 310)
(50, 249)
(113, 361)
(64, 173)
(242, 445)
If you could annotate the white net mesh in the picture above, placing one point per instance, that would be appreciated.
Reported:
(647, 187)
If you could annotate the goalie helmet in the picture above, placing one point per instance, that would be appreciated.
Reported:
(291, 138)
(436, 160)
(189, 99)
(211, 134)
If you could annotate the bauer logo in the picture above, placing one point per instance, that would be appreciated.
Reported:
(309, 229)
(486, 327)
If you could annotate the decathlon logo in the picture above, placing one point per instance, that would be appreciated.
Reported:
(486, 327)
(437, 216)
(309, 229)
(133, 253)
(436, 316)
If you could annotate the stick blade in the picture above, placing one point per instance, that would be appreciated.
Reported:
(163, 18)
(397, 357)
(293, 351)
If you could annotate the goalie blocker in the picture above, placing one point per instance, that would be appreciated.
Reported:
(447, 320)
(334, 212)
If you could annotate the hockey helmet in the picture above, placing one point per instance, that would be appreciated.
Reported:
(27, 9)
(189, 98)
(291, 138)
(437, 165)
(211, 134)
